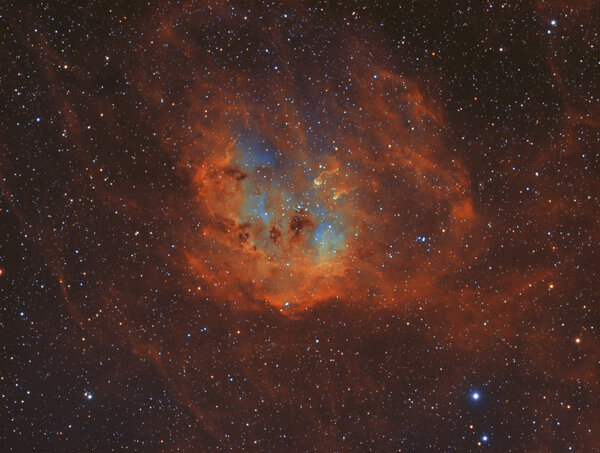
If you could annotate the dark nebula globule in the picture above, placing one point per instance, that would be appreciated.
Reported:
(299, 226)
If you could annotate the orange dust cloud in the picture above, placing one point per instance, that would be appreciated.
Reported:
(309, 201)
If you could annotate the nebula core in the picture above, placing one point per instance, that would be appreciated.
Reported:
(300, 226)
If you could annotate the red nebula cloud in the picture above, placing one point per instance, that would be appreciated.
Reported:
(305, 202)
(301, 228)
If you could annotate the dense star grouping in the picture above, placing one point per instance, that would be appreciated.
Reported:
(302, 226)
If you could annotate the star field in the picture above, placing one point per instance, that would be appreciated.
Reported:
(299, 226)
